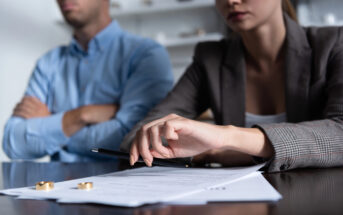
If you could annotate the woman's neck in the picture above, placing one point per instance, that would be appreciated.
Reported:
(264, 44)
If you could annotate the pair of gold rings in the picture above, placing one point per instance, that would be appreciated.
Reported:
(49, 185)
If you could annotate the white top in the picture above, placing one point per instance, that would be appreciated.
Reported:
(253, 119)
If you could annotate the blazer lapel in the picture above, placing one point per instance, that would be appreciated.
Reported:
(233, 84)
(298, 72)
(298, 58)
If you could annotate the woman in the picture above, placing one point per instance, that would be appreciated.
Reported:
(285, 80)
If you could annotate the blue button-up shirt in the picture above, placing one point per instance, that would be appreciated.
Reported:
(118, 68)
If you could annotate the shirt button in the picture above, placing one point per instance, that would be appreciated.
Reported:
(283, 167)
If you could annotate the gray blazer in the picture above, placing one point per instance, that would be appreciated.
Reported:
(313, 134)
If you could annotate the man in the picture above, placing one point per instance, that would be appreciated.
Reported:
(90, 93)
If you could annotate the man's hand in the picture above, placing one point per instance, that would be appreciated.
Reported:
(31, 107)
(76, 119)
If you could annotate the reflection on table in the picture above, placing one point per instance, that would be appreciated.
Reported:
(312, 191)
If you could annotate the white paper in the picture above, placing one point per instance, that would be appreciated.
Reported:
(253, 187)
(136, 187)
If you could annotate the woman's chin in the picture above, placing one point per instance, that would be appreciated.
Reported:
(241, 27)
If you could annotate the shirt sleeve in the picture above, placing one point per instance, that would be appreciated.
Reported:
(36, 137)
(149, 81)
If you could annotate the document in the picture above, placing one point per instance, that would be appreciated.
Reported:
(253, 187)
(136, 187)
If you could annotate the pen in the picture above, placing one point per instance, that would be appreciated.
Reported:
(156, 161)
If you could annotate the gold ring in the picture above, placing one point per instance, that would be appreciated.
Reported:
(45, 185)
(85, 185)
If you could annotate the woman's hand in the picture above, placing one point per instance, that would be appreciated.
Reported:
(185, 138)
(188, 138)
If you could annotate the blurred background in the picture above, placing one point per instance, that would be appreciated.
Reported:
(28, 29)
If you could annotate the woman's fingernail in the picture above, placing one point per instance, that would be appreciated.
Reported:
(131, 161)
(147, 162)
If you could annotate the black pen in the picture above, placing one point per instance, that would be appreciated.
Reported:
(156, 161)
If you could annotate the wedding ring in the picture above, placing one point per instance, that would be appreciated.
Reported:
(85, 185)
(45, 185)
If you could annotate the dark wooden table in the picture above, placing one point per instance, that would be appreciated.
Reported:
(307, 191)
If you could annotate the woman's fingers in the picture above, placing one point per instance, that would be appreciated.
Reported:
(150, 135)
(169, 130)
(144, 145)
(156, 141)
(161, 120)
(167, 155)
(134, 153)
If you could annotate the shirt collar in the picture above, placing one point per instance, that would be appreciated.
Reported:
(100, 42)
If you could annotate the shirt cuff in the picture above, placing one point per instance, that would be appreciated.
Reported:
(49, 130)
(274, 133)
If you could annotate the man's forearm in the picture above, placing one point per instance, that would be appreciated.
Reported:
(73, 122)
(76, 119)
(35, 137)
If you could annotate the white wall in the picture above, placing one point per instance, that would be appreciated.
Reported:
(28, 29)
(320, 13)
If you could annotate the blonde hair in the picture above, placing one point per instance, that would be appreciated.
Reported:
(287, 7)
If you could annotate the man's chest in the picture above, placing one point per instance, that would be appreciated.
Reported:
(86, 81)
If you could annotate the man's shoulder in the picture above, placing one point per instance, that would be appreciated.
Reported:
(137, 43)
(49, 60)
(54, 55)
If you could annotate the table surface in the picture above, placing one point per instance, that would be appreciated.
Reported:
(304, 191)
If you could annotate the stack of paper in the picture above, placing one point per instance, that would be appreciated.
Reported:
(141, 186)
(253, 187)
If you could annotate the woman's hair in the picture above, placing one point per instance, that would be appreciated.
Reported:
(287, 7)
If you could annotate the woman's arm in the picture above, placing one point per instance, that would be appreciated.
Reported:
(314, 143)
(187, 138)
(288, 145)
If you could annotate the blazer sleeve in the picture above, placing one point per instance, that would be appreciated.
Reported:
(314, 143)
(189, 98)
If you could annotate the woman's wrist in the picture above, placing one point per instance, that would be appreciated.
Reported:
(227, 137)
(251, 141)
